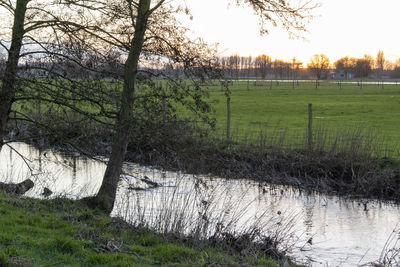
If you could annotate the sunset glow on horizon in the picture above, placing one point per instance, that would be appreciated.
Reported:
(341, 28)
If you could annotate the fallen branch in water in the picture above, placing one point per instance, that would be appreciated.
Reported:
(19, 189)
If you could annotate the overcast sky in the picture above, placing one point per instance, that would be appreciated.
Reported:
(342, 27)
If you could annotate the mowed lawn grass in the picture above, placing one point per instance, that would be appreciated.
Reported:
(284, 108)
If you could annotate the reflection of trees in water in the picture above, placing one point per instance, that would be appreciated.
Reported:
(61, 173)
(309, 205)
(40, 160)
(11, 155)
(73, 169)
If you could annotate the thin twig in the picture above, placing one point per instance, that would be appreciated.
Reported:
(23, 158)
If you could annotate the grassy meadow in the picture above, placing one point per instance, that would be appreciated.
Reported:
(276, 112)
(282, 111)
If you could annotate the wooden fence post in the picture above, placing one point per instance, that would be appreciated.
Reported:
(228, 122)
(74, 113)
(163, 102)
(309, 135)
(164, 108)
(39, 105)
(116, 95)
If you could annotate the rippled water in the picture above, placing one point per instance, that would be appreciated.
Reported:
(340, 232)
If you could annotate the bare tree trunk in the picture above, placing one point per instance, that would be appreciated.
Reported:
(105, 198)
(7, 90)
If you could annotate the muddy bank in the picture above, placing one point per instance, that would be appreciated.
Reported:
(320, 171)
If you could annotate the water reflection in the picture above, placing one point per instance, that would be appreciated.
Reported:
(327, 229)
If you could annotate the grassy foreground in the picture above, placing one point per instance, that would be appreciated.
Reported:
(62, 232)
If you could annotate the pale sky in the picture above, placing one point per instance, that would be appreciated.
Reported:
(342, 27)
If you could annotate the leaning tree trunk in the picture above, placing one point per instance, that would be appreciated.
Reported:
(105, 198)
(7, 90)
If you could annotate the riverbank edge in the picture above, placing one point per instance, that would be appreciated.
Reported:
(66, 232)
(348, 172)
(352, 171)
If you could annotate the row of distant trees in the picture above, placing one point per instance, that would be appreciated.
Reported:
(351, 67)
(319, 66)
(261, 67)
(264, 67)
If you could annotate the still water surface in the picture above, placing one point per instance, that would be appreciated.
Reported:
(341, 232)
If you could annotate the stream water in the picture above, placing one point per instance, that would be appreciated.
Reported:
(319, 230)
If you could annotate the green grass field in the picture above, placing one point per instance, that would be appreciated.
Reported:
(284, 108)
(280, 109)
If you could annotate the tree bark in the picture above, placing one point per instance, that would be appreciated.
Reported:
(8, 87)
(105, 198)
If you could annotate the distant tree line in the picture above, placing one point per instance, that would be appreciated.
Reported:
(262, 67)
(367, 67)
(233, 67)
